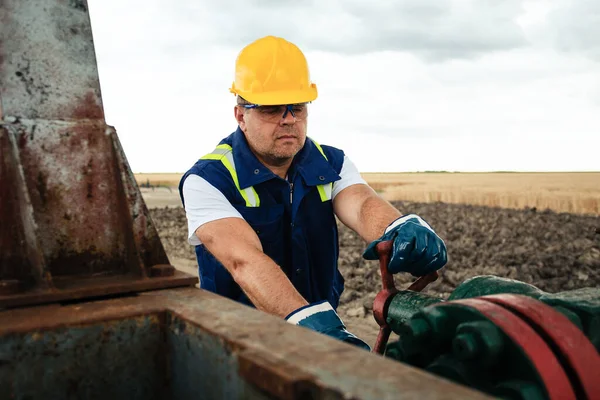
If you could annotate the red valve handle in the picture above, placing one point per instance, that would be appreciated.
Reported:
(384, 297)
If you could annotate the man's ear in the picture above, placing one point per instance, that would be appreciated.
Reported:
(240, 115)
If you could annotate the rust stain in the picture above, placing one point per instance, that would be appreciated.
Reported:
(88, 108)
(84, 262)
(162, 270)
(87, 229)
(9, 286)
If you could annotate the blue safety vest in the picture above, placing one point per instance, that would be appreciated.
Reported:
(293, 218)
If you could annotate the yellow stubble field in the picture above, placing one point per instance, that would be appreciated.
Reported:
(562, 192)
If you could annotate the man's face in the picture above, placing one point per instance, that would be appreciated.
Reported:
(275, 138)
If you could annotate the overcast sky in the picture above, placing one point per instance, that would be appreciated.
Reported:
(461, 85)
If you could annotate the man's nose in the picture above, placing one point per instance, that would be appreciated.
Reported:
(288, 117)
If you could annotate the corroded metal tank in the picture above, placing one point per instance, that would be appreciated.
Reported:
(90, 306)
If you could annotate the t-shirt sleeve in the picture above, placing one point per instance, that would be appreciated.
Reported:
(350, 176)
(204, 203)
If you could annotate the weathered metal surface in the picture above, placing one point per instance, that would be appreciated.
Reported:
(74, 223)
(71, 178)
(18, 243)
(162, 270)
(79, 214)
(222, 349)
(201, 366)
(119, 359)
(284, 382)
(577, 355)
(79, 288)
(47, 61)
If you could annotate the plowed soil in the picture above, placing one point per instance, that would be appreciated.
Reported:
(554, 251)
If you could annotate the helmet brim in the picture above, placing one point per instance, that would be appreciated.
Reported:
(281, 97)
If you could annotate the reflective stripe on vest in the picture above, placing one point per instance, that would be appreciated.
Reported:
(326, 189)
(224, 153)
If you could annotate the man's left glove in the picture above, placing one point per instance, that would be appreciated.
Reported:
(416, 247)
(321, 317)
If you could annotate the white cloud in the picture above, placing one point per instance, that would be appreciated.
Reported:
(433, 29)
(470, 85)
(575, 27)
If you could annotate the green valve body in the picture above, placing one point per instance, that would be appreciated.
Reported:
(581, 306)
(460, 344)
(452, 340)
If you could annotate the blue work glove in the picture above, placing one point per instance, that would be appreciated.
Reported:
(416, 248)
(321, 317)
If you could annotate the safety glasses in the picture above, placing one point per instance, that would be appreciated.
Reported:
(279, 112)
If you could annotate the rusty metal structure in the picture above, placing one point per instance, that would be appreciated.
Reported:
(90, 306)
(73, 222)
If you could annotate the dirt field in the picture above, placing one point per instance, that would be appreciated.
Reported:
(554, 251)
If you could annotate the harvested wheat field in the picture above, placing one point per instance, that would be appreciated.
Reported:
(553, 250)
(562, 192)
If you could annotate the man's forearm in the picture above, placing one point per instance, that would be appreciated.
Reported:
(361, 209)
(374, 216)
(235, 244)
(266, 285)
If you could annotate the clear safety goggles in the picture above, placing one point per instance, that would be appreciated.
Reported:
(276, 113)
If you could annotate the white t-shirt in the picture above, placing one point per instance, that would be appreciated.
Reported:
(205, 203)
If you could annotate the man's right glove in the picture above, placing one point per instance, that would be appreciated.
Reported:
(321, 317)
(416, 247)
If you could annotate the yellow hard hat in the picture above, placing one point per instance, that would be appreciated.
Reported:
(271, 71)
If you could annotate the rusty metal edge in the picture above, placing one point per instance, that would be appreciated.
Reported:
(272, 376)
(120, 285)
(302, 364)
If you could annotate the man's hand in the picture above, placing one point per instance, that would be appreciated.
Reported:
(321, 317)
(416, 247)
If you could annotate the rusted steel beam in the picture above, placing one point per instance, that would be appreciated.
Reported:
(73, 211)
(220, 349)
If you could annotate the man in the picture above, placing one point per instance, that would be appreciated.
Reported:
(261, 207)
